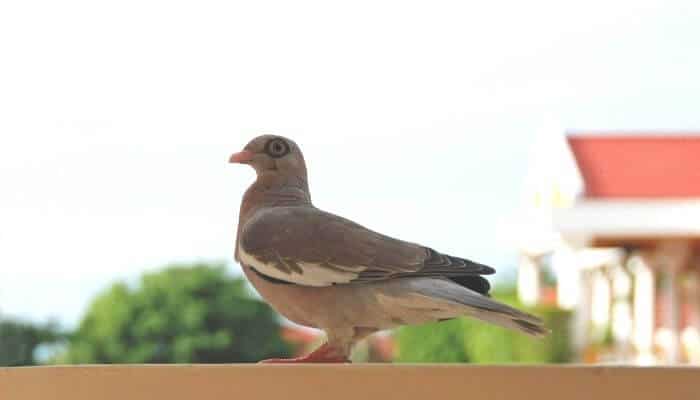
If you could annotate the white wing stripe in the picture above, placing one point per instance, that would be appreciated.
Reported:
(314, 274)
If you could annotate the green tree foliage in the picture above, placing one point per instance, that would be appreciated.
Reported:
(19, 341)
(472, 341)
(182, 314)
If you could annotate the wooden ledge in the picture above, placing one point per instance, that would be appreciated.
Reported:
(357, 382)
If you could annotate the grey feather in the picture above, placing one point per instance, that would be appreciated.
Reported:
(475, 305)
(305, 235)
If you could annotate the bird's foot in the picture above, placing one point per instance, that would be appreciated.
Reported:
(324, 354)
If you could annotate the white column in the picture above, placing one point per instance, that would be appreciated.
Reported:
(621, 311)
(601, 303)
(529, 280)
(644, 310)
(674, 315)
(672, 257)
(582, 317)
(569, 278)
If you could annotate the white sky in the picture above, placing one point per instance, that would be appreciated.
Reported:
(116, 119)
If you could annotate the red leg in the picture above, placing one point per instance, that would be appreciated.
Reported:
(324, 354)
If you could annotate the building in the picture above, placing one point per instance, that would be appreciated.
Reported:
(615, 217)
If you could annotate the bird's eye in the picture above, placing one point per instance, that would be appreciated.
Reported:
(277, 148)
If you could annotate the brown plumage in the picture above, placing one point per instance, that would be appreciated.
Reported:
(323, 270)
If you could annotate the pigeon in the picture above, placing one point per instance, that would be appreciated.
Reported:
(324, 271)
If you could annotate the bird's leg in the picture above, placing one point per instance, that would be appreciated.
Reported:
(324, 354)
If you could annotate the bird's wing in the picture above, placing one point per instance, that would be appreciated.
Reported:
(307, 246)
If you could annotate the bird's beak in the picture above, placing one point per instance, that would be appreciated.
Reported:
(241, 157)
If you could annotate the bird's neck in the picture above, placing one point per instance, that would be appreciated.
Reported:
(268, 192)
(274, 191)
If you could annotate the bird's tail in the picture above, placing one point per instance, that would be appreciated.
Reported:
(461, 301)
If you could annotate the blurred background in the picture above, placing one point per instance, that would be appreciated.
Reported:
(555, 141)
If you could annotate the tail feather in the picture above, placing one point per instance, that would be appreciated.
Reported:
(471, 303)
(506, 321)
(476, 283)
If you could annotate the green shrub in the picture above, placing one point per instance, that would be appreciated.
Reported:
(182, 314)
(471, 341)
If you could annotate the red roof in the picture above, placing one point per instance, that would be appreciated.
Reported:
(643, 166)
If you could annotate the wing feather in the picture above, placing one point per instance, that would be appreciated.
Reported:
(307, 246)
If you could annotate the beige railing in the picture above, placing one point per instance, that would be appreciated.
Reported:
(357, 382)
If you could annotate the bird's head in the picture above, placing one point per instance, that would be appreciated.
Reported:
(273, 156)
